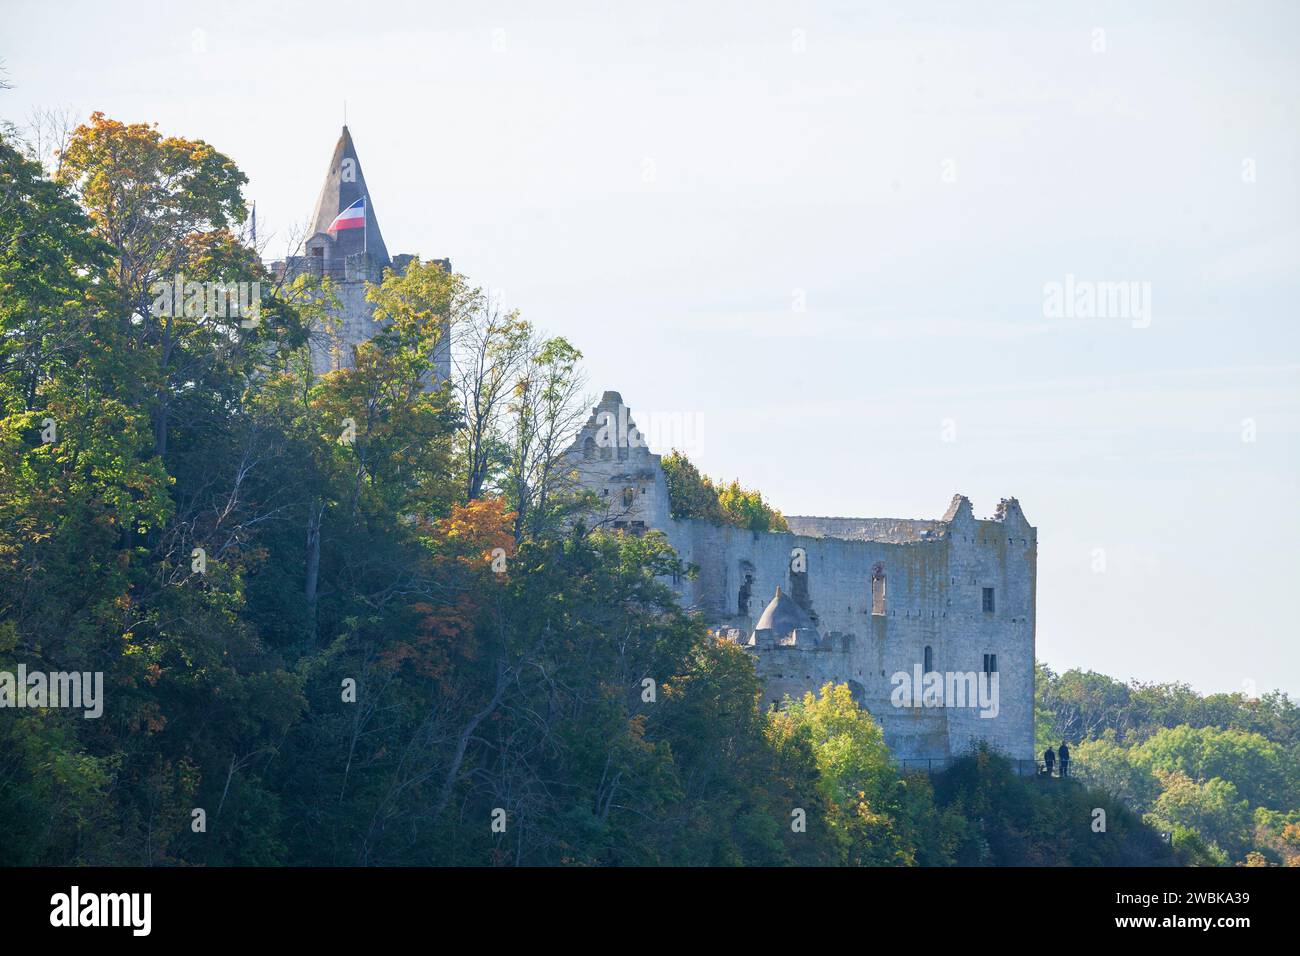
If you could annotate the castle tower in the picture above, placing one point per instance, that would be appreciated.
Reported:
(344, 185)
(350, 251)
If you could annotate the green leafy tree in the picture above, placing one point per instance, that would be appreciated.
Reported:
(1108, 766)
(693, 495)
(1212, 811)
(1257, 766)
(855, 775)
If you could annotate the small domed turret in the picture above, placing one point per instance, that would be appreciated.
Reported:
(784, 622)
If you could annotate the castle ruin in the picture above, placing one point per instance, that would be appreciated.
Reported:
(853, 601)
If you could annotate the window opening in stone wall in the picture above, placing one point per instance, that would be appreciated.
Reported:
(746, 588)
(988, 600)
(929, 659)
(990, 663)
(878, 589)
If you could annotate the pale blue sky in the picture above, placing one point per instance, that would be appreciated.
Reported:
(661, 184)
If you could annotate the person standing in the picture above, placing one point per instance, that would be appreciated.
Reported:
(1049, 759)
(1064, 751)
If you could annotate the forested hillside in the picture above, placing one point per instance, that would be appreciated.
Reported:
(1220, 774)
(356, 621)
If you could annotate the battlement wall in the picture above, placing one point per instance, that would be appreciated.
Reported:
(895, 530)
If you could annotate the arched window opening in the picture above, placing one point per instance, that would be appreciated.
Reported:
(878, 588)
(746, 588)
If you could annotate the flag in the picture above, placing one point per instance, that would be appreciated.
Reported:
(354, 217)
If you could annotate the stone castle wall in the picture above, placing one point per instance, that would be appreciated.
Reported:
(935, 574)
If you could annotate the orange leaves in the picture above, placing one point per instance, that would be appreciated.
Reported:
(442, 635)
(464, 543)
(473, 531)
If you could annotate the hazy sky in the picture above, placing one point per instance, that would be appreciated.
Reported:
(820, 234)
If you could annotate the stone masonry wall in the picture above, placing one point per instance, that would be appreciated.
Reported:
(935, 573)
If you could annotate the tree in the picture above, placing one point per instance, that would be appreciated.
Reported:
(1257, 766)
(489, 352)
(693, 495)
(1213, 811)
(745, 508)
(164, 206)
(1108, 766)
(690, 494)
(855, 775)
(546, 411)
(49, 268)
(742, 779)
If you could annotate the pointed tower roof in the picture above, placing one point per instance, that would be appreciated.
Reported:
(344, 185)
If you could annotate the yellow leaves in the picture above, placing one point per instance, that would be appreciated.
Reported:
(1290, 838)
(144, 192)
(693, 495)
(415, 302)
